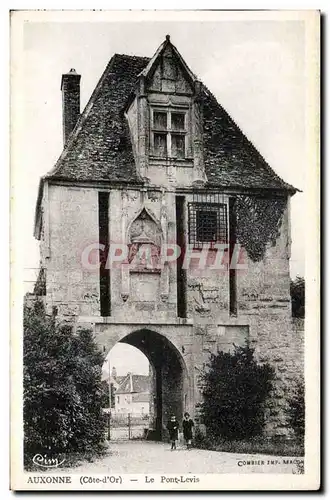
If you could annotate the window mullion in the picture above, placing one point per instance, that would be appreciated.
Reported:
(152, 136)
(169, 142)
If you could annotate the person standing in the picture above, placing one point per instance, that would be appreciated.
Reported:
(187, 426)
(173, 429)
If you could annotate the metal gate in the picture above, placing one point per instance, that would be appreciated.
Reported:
(125, 426)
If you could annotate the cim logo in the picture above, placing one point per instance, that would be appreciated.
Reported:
(47, 462)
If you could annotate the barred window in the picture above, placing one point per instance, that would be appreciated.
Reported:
(207, 224)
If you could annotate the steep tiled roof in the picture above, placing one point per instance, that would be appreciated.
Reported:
(100, 148)
(116, 381)
(134, 384)
(119, 379)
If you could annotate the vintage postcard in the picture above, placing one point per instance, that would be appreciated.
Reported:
(165, 222)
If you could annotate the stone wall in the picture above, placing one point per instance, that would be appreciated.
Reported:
(73, 225)
(149, 300)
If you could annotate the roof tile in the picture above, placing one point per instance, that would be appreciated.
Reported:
(134, 384)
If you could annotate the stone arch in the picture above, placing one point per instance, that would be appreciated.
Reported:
(169, 376)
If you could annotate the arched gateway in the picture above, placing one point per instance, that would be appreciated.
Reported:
(155, 162)
(171, 359)
(169, 387)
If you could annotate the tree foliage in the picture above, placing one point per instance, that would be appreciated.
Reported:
(235, 388)
(62, 401)
(296, 410)
(105, 394)
(297, 291)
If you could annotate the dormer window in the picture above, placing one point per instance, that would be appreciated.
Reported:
(169, 133)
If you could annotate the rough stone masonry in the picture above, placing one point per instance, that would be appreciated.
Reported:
(154, 159)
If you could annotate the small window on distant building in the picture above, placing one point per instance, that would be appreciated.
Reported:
(169, 134)
(207, 224)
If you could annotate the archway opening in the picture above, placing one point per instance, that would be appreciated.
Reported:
(168, 378)
(127, 385)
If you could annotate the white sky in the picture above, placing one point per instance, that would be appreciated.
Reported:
(126, 358)
(256, 69)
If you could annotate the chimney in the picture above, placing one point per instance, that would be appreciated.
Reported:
(114, 373)
(70, 87)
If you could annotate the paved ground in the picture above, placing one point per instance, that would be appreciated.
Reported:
(143, 457)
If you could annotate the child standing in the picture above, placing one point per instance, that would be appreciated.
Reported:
(173, 429)
(187, 426)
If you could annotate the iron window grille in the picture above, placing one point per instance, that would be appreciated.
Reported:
(207, 223)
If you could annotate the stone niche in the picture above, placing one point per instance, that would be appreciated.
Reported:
(145, 229)
(144, 238)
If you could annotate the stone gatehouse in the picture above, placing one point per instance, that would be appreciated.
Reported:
(155, 160)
